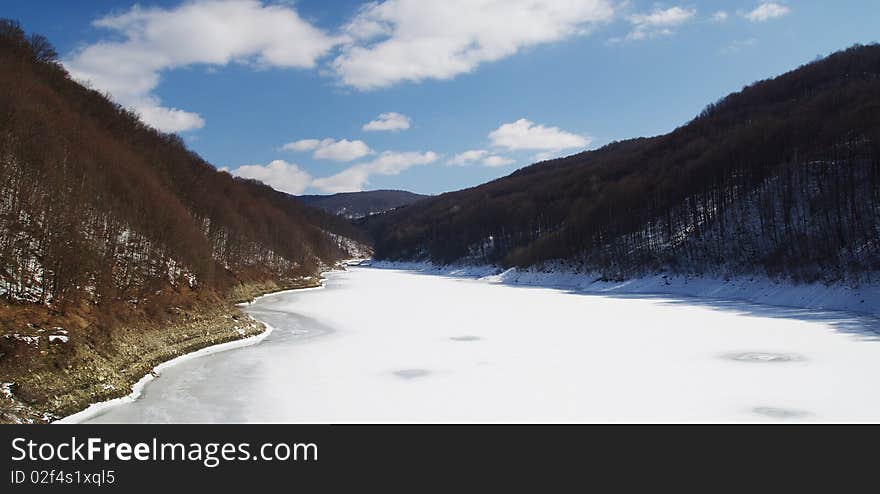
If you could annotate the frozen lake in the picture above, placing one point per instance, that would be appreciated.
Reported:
(381, 345)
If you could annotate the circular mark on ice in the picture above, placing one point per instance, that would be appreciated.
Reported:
(411, 373)
(763, 357)
(780, 413)
(465, 338)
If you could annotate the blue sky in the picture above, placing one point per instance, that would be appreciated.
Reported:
(459, 92)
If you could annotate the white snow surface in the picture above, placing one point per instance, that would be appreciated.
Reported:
(758, 289)
(390, 345)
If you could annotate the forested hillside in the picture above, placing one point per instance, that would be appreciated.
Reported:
(354, 205)
(781, 178)
(95, 203)
(119, 247)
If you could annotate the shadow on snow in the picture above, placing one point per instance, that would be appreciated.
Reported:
(862, 326)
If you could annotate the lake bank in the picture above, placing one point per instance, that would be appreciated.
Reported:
(130, 358)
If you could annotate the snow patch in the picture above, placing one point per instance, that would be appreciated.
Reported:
(30, 340)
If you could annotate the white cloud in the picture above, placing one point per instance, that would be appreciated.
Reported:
(279, 174)
(392, 163)
(331, 149)
(548, 155)
(414, 40)
(468, 157)
(767, 11)
(290, 178)
(354, 178)
(659, 22)
(212, 32)
(720, 16)
(302, 145)
(342, 150)
(479, 155)
(525, 134)
(349, 180)
(170, 119)
(388, 121)
(496, 160)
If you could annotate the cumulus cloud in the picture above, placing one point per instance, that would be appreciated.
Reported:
(659, 22)
(414, 40)
(468, 157)
(767, 11)
(279, 174)
(211, 32)
(388, 121)
(525, 134)
(349, 180)
(496, 160)
(479, 155)
(169, 119)
(302, 145)
(354, 178)
(331, 149)
(290, 178)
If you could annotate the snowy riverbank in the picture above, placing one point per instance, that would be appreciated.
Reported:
(756, 289)
(137, 388)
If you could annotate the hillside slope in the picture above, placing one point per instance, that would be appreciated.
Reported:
(781, 178)
(119, 247)
(354, 205)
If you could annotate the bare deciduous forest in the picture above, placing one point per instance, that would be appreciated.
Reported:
(96, 204)
(781, 178)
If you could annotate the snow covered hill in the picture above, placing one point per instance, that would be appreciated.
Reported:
(780, 180)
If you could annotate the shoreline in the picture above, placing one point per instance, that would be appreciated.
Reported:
(138, 387)
(760, 290)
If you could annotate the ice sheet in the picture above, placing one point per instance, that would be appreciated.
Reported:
(383, 345)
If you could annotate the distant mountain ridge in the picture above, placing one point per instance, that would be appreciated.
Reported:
(781, 179)
(354, 205)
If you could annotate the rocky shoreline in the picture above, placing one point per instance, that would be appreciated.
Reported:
(94, 373)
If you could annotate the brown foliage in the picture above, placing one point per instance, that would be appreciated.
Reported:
(97, 204)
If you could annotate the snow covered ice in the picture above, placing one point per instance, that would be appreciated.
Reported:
(384, 345)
